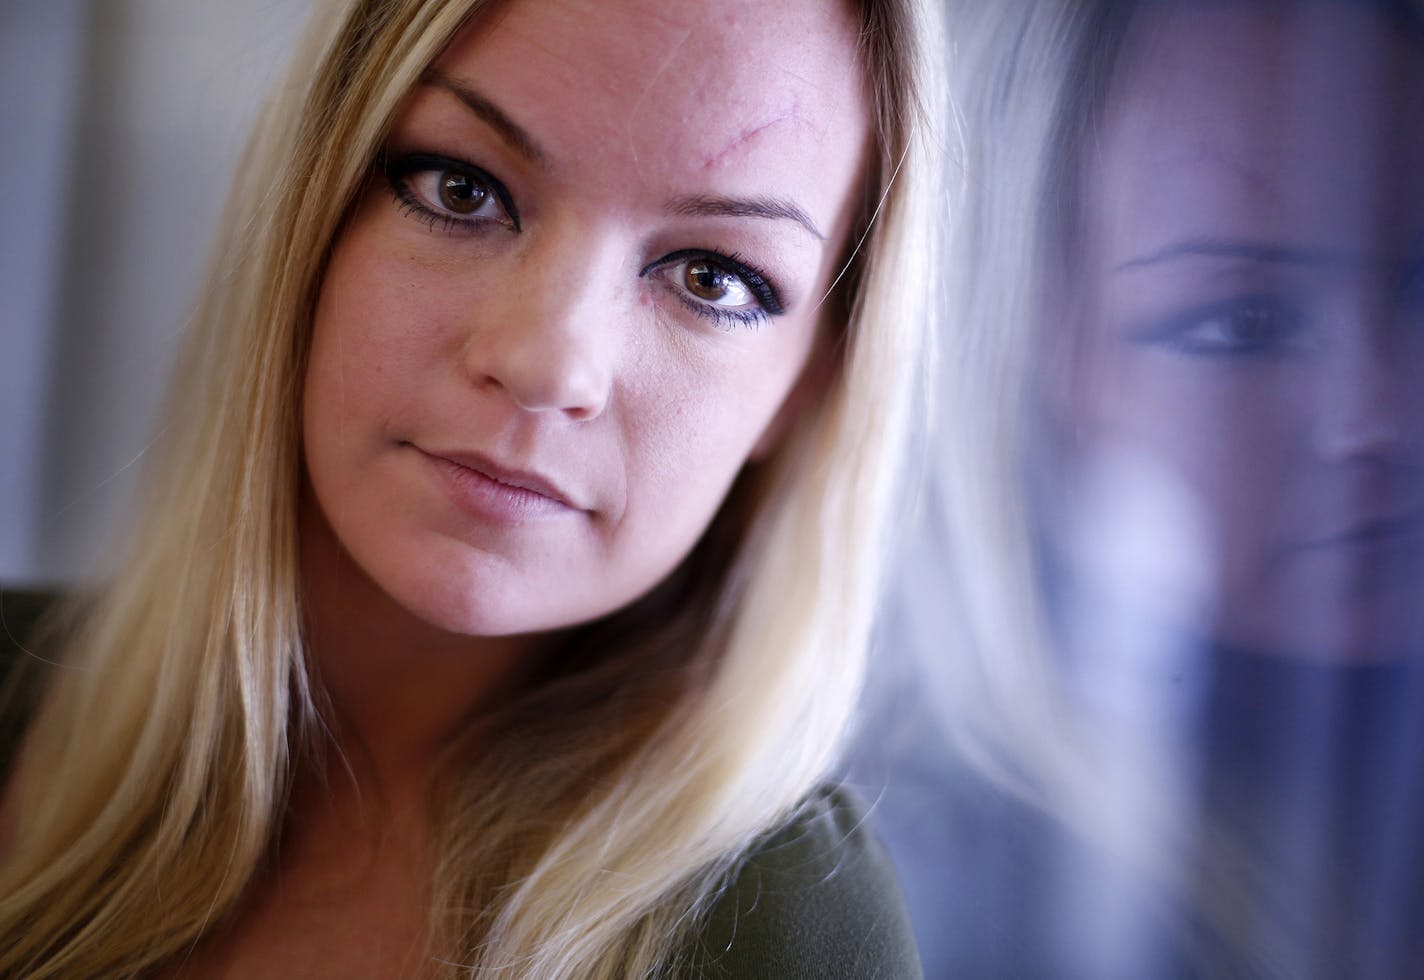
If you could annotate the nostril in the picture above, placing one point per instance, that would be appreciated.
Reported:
(539, 376)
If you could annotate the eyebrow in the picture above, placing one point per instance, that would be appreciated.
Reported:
(692, 206)
(513, 134)
(1259, 252)
(752, 207)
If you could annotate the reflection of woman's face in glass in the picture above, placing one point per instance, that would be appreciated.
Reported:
(1254, 310)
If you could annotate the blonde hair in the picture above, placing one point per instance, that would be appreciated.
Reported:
(153, 782)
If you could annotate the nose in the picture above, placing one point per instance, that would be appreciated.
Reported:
(1362, 400)
(547, 340)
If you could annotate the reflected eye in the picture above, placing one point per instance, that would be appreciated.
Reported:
(1245, 326)
(721, 287)
(452, 194)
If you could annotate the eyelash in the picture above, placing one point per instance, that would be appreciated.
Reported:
(1184, 332)
(399, 171)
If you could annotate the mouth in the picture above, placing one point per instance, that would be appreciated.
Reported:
(1404, 529)
(483, 482)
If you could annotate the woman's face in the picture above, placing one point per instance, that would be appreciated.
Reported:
(1254, 313)
(584, 288)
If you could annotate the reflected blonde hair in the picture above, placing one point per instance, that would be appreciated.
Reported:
(1027, 81)
(152, 785)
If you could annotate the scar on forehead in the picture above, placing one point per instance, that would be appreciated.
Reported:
(747, 135)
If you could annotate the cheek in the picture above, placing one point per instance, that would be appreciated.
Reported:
(386, 331)
(377, 317)
(689, 442)
(1219, 448)
(1229, 434)
(689, 425)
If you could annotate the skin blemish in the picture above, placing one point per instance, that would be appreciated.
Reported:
(745, 137)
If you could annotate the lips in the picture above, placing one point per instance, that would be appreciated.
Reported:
(1378, 531)
(509, 477)
(493, 492)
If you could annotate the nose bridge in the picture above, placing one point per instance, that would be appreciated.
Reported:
(548, 341)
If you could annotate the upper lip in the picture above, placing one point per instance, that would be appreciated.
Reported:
(507, 475)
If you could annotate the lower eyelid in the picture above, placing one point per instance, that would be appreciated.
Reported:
(751, 318)
(410, 204)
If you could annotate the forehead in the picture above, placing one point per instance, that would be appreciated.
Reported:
(1305, 119)
(686, 87)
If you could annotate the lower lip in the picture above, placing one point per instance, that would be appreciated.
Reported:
(489, 500)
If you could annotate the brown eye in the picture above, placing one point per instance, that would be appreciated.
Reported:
(462, 193)
(449, 194)
(710, 282)
(722, 288)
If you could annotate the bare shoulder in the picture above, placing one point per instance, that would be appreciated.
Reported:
(817, 898)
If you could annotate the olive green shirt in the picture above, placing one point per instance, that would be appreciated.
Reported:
(817, 900)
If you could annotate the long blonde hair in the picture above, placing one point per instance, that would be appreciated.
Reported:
(153, 782)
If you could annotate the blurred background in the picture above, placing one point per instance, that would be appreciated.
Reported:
(123, 121)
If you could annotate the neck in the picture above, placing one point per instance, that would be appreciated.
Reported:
(399, 689)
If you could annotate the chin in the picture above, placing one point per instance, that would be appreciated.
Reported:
(1369, 630)
(473, 602)
(481, 594)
